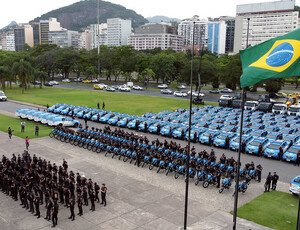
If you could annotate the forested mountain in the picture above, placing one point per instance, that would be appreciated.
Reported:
(81, 14)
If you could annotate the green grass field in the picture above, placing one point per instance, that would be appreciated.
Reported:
(117, 102)
(15, 125)
(274, 209)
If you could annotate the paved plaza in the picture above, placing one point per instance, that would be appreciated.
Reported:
(137, 197)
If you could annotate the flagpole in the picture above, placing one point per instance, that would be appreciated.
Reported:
(189, 136)
(238, 161)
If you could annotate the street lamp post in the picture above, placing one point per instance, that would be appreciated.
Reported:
(187, 175)
(98, 36)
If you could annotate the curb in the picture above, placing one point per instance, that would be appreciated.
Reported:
(26, 103)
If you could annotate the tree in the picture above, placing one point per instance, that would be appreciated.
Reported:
(272, 85)
(4, 71)
(23, 69)
(46, 62)
(90, 71)
(163, 66)
(66, 59)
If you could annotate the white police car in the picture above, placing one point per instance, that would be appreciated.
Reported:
(2, 96)
(295, 185)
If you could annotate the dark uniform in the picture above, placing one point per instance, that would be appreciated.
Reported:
(49, 206)
(97, 190)
(103, 194)
(79, 203)
(71, 206)
(31, 199)
(37, 206)
(92, 197)
(54, 214)
(275, 178)
(268, 182)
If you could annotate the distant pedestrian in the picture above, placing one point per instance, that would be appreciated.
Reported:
(85, 121)
(297, 162)
(275, 178)
(103, 194)
(103, 105)
(37, 128)
(268, 182)
(23, 126)
(27, 142)
(9, 131)
(98, 105)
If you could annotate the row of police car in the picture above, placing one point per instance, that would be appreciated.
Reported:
(217, 126)
(46, 118)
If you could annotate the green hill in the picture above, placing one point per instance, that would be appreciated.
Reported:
(81, 14)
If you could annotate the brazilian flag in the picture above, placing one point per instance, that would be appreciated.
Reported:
(275, 58)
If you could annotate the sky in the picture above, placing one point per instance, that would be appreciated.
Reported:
(23, 11)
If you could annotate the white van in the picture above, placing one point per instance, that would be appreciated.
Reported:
(294, 110)
(279, 109)
(2, 96)
(251, 105)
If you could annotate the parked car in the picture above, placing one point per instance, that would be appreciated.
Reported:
(94, 81)
(273, 149)
(79, 79)
(48, 84)
(86, 81)
(214, 91)
(2, 96)
(66, 80)
(98, 86)
(53, 83)
(235, 143)
(179, 94)
(65, 121)
(110, 89)
(162, 86)
(166, 91)
(125, 89)
(137, 87)
(295, 185)
(182, 87)
(291, 154)
(225, 97)
(226, 90)
(253, 146)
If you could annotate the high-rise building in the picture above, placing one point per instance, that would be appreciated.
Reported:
(23, 35)
(36, 26)
(216, 37)
(48, 25)
(118, 31)
(186, 30)
(230, 25)
(266, 20)
(64, 38)
(84, 40)
(156, 35)
(7, 41)
(94, 30)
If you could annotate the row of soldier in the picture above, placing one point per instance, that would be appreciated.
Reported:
(35, 181)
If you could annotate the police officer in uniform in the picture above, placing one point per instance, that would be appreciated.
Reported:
(92, 197)
(31, 199)
(103, 194)
(49, 206)
(37, 206)
(54, 214)
(71, 206)
(79, 203)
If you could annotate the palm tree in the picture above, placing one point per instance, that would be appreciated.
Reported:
(24, 70)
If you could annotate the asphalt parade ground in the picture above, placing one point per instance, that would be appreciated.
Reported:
(137, 198)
